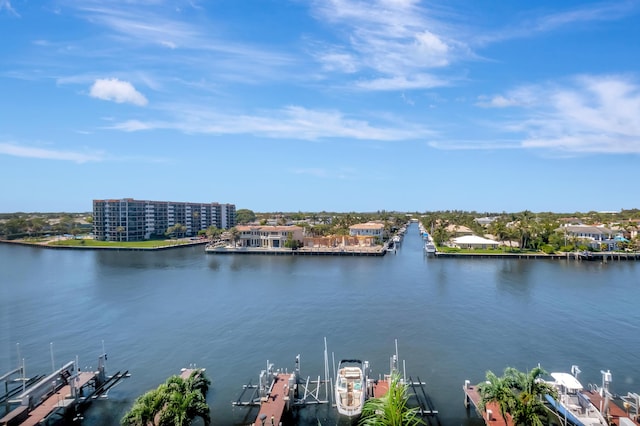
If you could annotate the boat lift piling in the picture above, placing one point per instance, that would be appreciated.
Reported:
(380, 387)
(63, 393)
(278, 392)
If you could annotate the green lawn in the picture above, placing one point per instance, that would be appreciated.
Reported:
(115, 244)
(444, 249)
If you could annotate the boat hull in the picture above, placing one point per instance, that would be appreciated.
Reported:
(350, 388)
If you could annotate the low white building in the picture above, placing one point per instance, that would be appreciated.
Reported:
(473, 241)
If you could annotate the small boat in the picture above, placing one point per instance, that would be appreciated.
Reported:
(429, 247)
(351, 387)
(572, 404)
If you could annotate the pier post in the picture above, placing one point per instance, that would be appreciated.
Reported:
(466, 396)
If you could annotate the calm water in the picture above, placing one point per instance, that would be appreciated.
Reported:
(454, 319)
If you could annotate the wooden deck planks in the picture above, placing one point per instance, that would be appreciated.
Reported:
(496, 418)
(380, 388)
(274, 406)
(615, 411)
(58, 399)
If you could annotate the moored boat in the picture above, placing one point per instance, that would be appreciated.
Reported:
(351, 387)
(572, 404)
(429, 247)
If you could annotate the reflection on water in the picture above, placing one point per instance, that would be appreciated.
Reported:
(454, 318)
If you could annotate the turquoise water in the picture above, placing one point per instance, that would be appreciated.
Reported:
(454, 319)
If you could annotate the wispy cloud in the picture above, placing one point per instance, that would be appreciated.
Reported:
(324, 173)
(587, 114)
(597, 114)
(542, 23)
(115, 90)
(15, 150)
(293, 122)
(5, 5)
(147, 24)
(400, 41)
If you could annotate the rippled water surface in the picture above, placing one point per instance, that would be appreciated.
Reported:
(454, 319)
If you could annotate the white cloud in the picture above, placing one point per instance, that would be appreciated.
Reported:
(597, 114)
(587, 114)
(12, 149)
(586, 13)
(397, 41)
(6, 5)
(324, 173)
(497, 101)
(134, 126)
(169, 44)
(417, 81)
(115, 90)
(293, 122)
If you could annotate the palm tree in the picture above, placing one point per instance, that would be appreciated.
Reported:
(175, 402)
(518, 394)
(391, 409)
(495, 389)
(235, 234)
(183, 406)
(198, 381)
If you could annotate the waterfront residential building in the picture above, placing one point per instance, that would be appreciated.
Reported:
(595, 237)
(268, 237)
(474, 242)
(373, 231)
(127, 219)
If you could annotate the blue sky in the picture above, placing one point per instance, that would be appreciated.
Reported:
(336, 105)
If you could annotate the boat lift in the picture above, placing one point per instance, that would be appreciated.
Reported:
(419, 394)
(78, 388)
(298, 392)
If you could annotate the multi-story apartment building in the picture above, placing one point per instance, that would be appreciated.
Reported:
(134, 220)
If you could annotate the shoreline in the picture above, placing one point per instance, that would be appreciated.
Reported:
(303, 251)
(580, 256)
(330, 251)
(107, 248)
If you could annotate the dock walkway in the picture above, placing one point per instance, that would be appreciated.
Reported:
(615, 412)
(59, 399)
(491, 415)
(273, 405)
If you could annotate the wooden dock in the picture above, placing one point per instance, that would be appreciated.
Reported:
(272, 407)
(614, 412)
(380, 388)
(58, 400)
(491, 415)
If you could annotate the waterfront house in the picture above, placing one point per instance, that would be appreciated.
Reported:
(474, 242)
(369, 233)
(596, 237)
(486, 221)
(267, 236)
(459, 230)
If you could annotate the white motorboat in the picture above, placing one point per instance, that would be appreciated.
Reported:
(429, 247)
(572, 404)
(351, 387)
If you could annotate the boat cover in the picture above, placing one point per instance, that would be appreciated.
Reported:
(567, 380)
